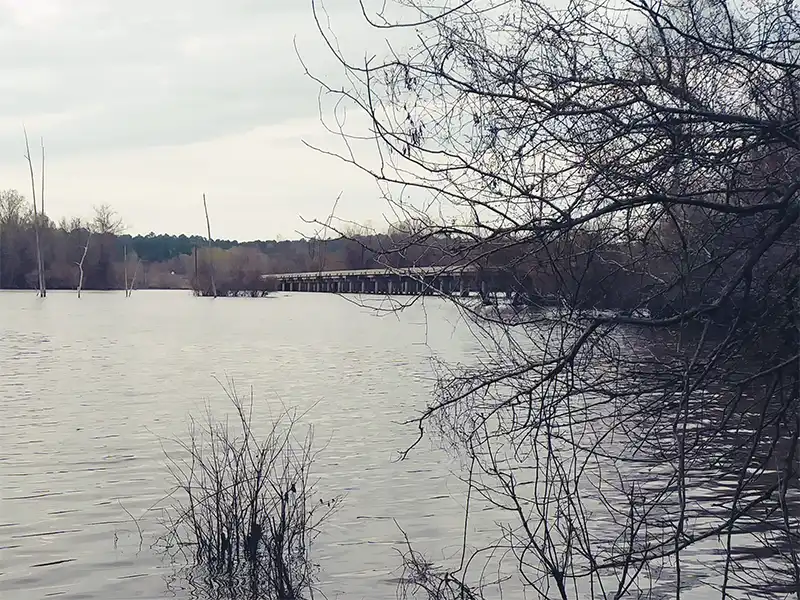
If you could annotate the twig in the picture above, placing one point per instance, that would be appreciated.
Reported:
(136, 522)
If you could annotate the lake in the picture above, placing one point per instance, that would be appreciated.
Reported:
(92, 390)
(90, 387)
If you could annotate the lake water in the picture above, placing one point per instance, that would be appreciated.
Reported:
(89, 387)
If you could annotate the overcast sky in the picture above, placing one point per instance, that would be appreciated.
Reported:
(147, 104)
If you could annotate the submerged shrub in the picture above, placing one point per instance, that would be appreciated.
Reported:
(244, 510)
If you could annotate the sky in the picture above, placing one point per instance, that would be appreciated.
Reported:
(146, 105)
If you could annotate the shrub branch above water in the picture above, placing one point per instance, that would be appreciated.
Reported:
(244, 510)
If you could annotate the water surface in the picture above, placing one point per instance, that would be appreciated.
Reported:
(89, 388)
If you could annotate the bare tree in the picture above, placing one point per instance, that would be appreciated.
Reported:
(125, 267)
(107, 221)
(129, 288)
(36, 222)
(106, 226)
(14, 215)
(210, 249)
(81, 261)
(636, 166)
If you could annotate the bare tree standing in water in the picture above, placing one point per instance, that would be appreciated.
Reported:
(82, 260)
(639, 161)
(36, 221)
(210, 250)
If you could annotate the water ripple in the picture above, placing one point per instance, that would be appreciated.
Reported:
(90, 389)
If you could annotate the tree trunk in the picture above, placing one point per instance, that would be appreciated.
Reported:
(80, 264)
(129, 291)
(42, 186)
(39, 263)
(210, 256)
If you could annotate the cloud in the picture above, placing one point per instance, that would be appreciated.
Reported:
(149, 73)
(259, 184)
(147, 104)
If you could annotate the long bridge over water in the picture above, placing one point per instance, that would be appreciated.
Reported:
(462, 280)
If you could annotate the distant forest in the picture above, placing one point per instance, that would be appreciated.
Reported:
(110, 255)
(579, 267)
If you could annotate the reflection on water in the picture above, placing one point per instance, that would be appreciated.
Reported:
(663, 464)
(89, 387)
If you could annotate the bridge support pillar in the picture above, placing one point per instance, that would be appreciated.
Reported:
(445, 285)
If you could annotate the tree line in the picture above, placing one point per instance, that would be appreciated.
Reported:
(107, 254)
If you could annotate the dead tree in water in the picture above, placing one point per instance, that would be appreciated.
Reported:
(644, 435)
(80, 263)
(129, 284)
(129, 289)
(210, 250)
(36, 222)
(125, 267)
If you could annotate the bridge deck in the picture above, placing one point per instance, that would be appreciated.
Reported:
(385, 272)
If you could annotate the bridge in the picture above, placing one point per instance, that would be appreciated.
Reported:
(412, 281)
